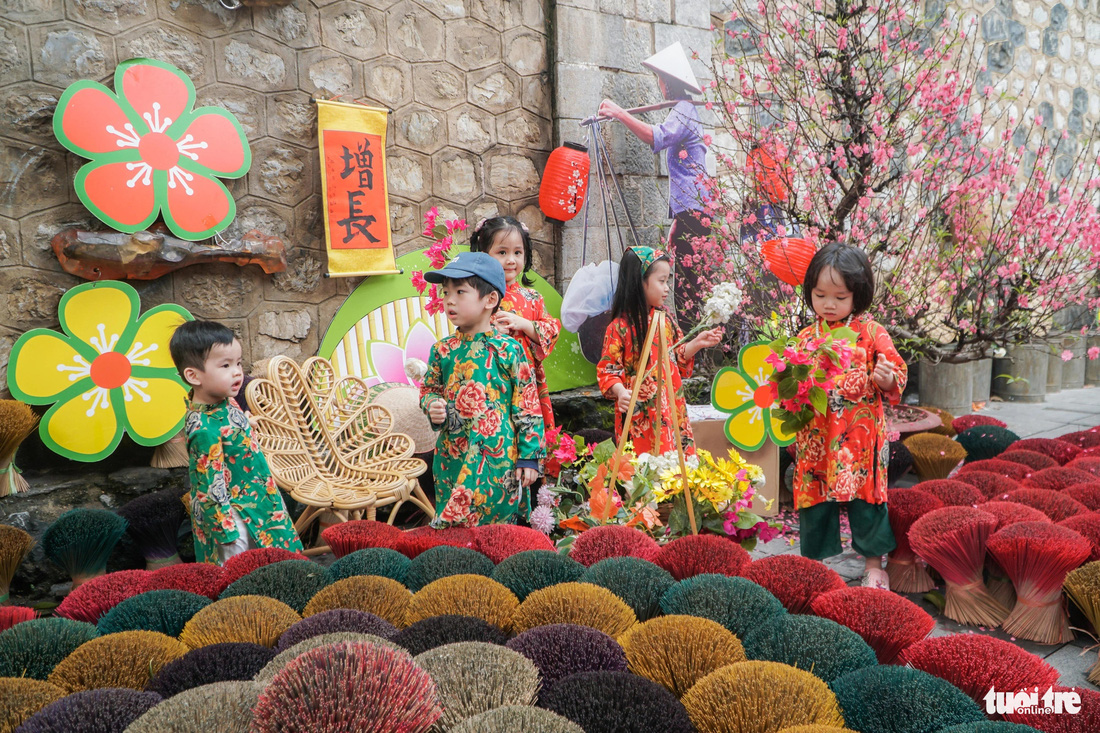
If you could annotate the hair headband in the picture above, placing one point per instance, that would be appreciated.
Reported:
(648, 255)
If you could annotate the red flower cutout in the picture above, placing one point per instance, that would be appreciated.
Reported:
(150, 153)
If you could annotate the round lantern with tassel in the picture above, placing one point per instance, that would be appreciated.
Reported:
(788, 258)
(564, 182)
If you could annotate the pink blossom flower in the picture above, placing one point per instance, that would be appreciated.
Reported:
(1067, 355)
(1094, 353)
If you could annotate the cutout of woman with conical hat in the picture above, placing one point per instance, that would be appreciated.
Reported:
(681, 136)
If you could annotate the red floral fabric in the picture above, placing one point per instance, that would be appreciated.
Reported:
(618, 365)
(844, 455)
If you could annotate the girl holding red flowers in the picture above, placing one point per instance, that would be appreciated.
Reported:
(642, 288)
(842, 455)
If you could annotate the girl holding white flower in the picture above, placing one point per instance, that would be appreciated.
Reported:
(642, 288)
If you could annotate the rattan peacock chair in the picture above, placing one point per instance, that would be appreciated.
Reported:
(329, 447)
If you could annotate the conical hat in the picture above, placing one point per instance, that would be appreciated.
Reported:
(672, 63)
(403, 402)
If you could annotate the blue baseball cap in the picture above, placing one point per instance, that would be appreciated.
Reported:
(467, 264)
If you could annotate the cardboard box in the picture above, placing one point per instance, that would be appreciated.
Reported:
(711, 435)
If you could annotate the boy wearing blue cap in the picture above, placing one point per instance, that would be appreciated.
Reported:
(480, 393)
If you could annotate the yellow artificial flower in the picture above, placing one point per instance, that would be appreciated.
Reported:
(108, 373)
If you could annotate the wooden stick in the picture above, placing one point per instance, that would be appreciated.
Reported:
(613, 476)
(646, 108)
(666, 365)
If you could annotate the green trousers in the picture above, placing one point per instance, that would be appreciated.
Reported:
(819, 529)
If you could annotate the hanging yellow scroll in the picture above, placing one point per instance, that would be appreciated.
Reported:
(352, 141)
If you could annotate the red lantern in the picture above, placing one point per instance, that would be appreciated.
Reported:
(564, 182)
(788, 258)
(770, 177)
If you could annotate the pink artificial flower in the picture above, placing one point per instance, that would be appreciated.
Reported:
(419, 282)
(566, 452)
(429, 221)
(776, 361)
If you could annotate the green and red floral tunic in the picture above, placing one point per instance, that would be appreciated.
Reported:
(844, 455)
(619, 365)
(493, 424)
(228, 471)
(527, 303)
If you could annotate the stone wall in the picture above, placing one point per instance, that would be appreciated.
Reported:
(468, 83)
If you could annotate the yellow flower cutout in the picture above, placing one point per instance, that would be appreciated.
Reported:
(743, 393)
(109, 373)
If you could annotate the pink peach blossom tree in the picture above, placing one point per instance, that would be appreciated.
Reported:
(863, 121)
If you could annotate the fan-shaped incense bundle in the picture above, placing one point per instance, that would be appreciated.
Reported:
(1008, 469)
(294, 582)
(1088, 526)
(172, 453)
(678, 651)
(1088, 494)
(616, 702)
(1086, 463)
(1057, 479)
(1037, 557)
(1083, 438)
(17, 421)
(952, 493)
(952, 540)
(465, 595)
(1083, 588)
(737, 603)
(992, 485)
(1054, 504)
(384, 597)
(14, 546)
(794, 580)
(335, 621)
(154, 522)
(612, 540)
(986, 441)
(377, 689)
(81, 540)
(934, 456)
(757, 697)
(531, 570)
(639, 583)
(907, 572)
(818, 645)
(436, 631)
(561, 650)
(965, 422)
(887, 621)
(697, 554)
(1059, 450)
(1032, 460)
(473, 677)
(947, 421)
(975, 663)
(499, 542)
(575, 603)
(359, 534)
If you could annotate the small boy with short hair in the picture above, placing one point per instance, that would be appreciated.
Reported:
(480, 393)
(235, 505)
